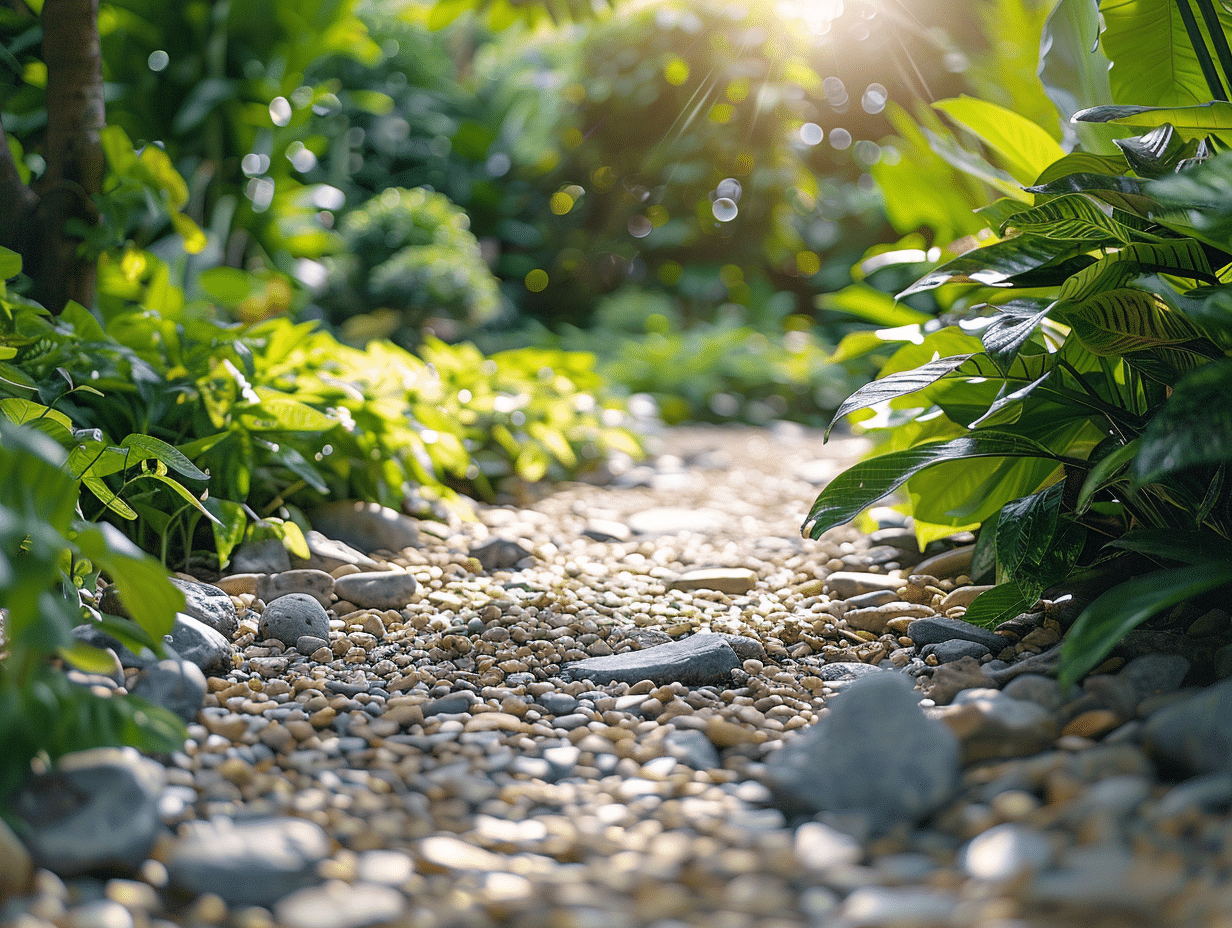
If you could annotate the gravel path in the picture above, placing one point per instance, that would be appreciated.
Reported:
(650, 704)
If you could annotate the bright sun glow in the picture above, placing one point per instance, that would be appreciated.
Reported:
(816, 15)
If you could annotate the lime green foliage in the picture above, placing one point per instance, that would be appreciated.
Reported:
(46, 552)
(1075, 408)
(261, 421)
(407, 257)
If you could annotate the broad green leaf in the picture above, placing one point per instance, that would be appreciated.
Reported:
(1204, 195)
(1011, 326)
(1072, 217)
(1190, 122)
(1158, 152)
(1172, 545)
(1192, 429)
(295, 462)
(1103, 624)
(1023, 147)
(107, 496)
(863, 302)
(147, 447)
(1003, 602)
(1120, 321)
(1026, 528)
(1106, 470)
(896, 385)
(1153, 61)
(181, 491)
(1082, 163)
(10, 264)
(1072, 66)
(867, 482)
(1124, 193)
(142, 583)
(1181, 258)
(993, 264)
(279, 412)
(999, 214)
(87, 658)
(228, 526)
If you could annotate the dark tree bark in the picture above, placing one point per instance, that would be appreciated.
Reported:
(39, 223)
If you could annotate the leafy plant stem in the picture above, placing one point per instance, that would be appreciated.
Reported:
(1201, 51)
(1118, 417)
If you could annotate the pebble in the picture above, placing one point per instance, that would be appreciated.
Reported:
(267, 556)
(937, 629)
(197, 643)
(340, 905)
(315, 583)
(991, 725)
(377, 589)
(500, 554)
(950, 563)
(843, 584)
(698, 660)
(178, 685)
(289, 618)
(733, 580)
(1006, 852)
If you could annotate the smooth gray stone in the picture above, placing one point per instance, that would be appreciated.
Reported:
(693, 748)
(1193, 736)
(306, 644)
(997, 726)
(328, 554)
(387, 589)
(453, 704)
(95, 811)
(871, 599)
(178, 685)
(196, 642)
(936, 629)
(952, 650)
(847, 670)
(1006, 852)
(267, 556)
(250, 862)
(316, 583)
(607, 530)
(875, 754)
(746, 648)
(557, 703)
(698, 660)
(340, 905)
(366, 527)
(1032, 687)
(291, 617)
(499, 554)
(203, 601)
(1155, 674)
(670, 520)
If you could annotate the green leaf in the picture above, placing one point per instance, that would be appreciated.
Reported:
(1118, 191)
(1158, 152)
(1026, 529)
(1023, 147)
(867, 482)
(107, 496)
(1182, 258)
(1203, 195)
(896, 385)
(1081, 163)
(148, 447)
(228, 526)
(1073, 68)
(1003, 602)
(1106, 470)
(1011, 327)
(295, 462)
(87, 658)
(1190, 122)
(279, 412)
(1072, 217)
(181, 491)
(863, 302)
(994, 264)
(1120, 321)
(1172, 545)
(1103, 624)
(1192, 429)
(142, 582)
(10, 264)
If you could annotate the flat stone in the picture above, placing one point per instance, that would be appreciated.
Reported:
(247, 862)
(692, 748)
(843, 583)
(366, 527)
(1031, 687)
(340, 905)
(289, 618)
(307, 644)
(936, 629)
(991, 725)
(898, 907)
(947, 651)
(607, 530)
(178, 685)
(239, 584)
(499, 554)
(962, 596)
(96, 810)
(1155, 674)
(847, 670)
(876, 754)
(328, 554)
(315, 583)
(950, 679)
(730, 580)
(670, 520)
(947, 564)
(698, 660)
(875, 618)
(1193, 736)
(267, 556)
(746, 648)
(391, 589)
(196, 642)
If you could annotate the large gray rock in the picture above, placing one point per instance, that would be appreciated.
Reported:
(267, 556)
(1193, 736)
(699, 660)
(252, 862)
(991, 725)
(196, 642)
(875, 755)
(95, 811)
(936, 629)
(203, 601)
(178, 685)
(291, 617)
(328, 554)
(316, 583)
(366, 527)
(387, 589)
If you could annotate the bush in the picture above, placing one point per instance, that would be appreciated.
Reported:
(407, 258)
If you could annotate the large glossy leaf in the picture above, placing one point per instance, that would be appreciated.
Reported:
(142, 583)
(1119, 611)
(1158, 152)
(863, 302)
(867, 482)
(1172, 545)
(147, 447)
(993, 264)
(1153, 61)
(1072, 217)
(896, 385)
(1026, 529)
(1192, 429)
(1106, 470)
(1082, 162)
(1002, 603)
(1022, 147)
(1190, 122)
(1073, 68)
(1011, 327)
(1182, 258)
(1125, 193)
(1125, 320)
(1204, 193)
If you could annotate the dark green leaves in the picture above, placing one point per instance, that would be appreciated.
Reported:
(994, 264)
(896, 385)
(1193, 428)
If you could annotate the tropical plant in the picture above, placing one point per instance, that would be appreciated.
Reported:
(1073, 411)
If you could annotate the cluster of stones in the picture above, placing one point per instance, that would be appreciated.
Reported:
(651, 704)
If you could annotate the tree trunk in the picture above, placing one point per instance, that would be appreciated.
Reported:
(45, 225)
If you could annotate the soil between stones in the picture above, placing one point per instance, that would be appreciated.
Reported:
(464, 777)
